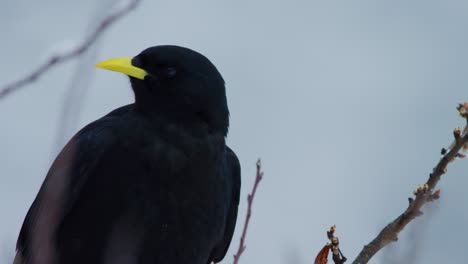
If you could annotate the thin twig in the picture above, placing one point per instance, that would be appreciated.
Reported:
(423, 195)
(60, 58)
(250, 199)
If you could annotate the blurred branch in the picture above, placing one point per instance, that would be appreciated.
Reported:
(60, 58)
(81, 80)
(423, 194)
(250, 199)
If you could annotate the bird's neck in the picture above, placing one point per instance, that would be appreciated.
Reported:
(188, 121)
(183, 115)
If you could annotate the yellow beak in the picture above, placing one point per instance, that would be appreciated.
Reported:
(123, 65)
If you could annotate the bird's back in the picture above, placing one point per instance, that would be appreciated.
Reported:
(125, 190)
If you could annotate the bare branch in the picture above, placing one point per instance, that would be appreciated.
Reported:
(60, 58)
(424, 194)
(250, 199)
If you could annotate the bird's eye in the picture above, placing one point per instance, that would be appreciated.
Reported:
(137, 62)
(169, 72)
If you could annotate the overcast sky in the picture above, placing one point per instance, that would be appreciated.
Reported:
(348, 104)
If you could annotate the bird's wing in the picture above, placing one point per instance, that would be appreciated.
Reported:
(61, 187)
(234, 174)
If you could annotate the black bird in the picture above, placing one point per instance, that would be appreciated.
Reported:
(151, 182)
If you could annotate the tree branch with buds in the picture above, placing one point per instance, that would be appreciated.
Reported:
(423, 194)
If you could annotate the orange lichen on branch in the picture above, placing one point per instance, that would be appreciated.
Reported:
(333, 246)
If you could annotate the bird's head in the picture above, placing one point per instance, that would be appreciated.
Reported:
(176, 82)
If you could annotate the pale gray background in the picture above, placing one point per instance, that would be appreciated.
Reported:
(347, 102)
